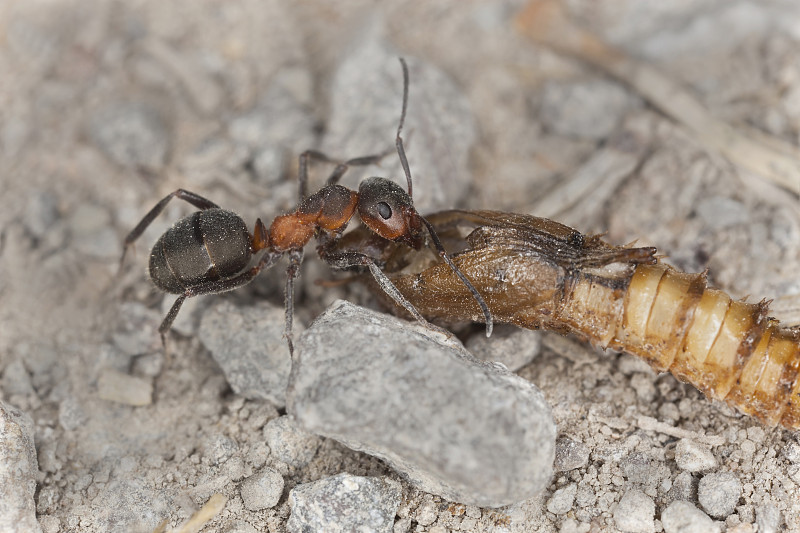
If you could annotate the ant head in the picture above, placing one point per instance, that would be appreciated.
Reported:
(389, 211)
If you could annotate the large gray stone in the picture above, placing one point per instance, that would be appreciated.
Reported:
(471, 432)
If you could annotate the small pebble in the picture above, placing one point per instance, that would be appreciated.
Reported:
(344, 503)
(114, 386)
(561, 501)
(768, 518)
(683, 487)
(289, 443)
(683, 517)
(510, 345)
(218, 448)
(718, 493)
(262, 490)
(693, 457)
(792, 452)
(638, 468)
(426, 513)
(570, 454)
(634, 512)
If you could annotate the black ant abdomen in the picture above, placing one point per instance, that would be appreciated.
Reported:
(205, 246)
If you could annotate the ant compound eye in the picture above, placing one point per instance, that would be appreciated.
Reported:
(384, 210)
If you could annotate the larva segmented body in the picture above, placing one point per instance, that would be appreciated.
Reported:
(728, 349)
(537, 273)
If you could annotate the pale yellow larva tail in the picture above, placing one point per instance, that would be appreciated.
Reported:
(728, 349)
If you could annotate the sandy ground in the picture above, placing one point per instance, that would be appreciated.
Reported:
(105, 107)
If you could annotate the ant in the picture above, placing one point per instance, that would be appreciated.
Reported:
(208, 251)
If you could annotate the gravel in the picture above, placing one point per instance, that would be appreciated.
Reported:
(682, 517)
(386, 387)
(719, 493)
(513, 347)
(634, 512)
(693, 457)
(344, 503)
(570, 454)
(290, 443)
(561, 501)
(262, 490)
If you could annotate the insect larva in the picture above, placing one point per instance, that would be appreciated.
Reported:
(537, 273)
(730, 350)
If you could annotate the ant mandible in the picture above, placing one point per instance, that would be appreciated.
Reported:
(208, 252)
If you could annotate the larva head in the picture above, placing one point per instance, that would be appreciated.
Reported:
(389, 211)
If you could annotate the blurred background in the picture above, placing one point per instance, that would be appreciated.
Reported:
(106, 107)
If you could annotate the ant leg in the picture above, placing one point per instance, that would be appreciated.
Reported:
(194, 199)
(338, 172)
(166, 324)
(215, 287)
(343, 260)
(295, 259)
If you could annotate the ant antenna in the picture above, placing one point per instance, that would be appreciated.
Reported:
(436, 242)
(399, 140)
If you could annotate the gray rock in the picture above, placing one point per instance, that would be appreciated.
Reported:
(585, 109)
(693, 457)
(248, 344)
(684, 487)
(218, 448)
(792, 452)
(561, 501)
(638, 468)
(510, 345)
(570, 454)
(18, 471)
(468, 431)
(439, 130)
(344, 503)
(719, 493)
(262, 490)
(634, 512)
(132, 135)
(683, 517)
(768, 518)
(289, 443)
